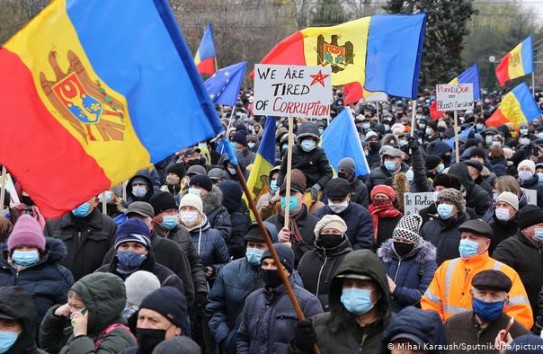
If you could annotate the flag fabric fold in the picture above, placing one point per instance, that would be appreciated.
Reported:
(517, 107)
(223, 86)
(205, 56)
(86, 103)
(518, 62)
(462, 136)
(380, 53)
(340, 139)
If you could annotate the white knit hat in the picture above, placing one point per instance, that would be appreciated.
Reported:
(509, 198)
(330, 222)
(527, 163)
(408, 229)
(192, 200)
(140, 284)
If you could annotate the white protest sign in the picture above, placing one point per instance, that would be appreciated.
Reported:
(413, 203)
(457, 97)
(295, 91)
(10, 187)
(531, 196)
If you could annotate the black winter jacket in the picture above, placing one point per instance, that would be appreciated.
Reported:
(314, 165)
(476, 197)
(444, 234)
(381, 175)
(359, 192)
(502, 231)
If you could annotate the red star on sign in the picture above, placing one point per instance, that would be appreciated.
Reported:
(318, 78)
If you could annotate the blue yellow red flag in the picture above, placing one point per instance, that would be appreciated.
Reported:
(517, 107)
(205, 56)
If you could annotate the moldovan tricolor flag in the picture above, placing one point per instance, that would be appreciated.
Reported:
(516, 63)
(517, 107)
(92, 91)
(205, 56)
(470, 76)
(379, 53)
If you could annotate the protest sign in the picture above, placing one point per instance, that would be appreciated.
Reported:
(296, 91)
(531, 196)
(414, 202)
(457, 97)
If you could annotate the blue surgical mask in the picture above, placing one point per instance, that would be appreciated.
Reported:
(139, 191)
(308, 144)
(293, 203)
(479, 127)
(7, 339)
(366, 125)
(321, 131)
(357, 301)
(440, 168)
(489, 139)
(284, 147)
(130, 259)
(231, 170)
(540, 177)
(468, 248)
(409, 175)
(169, 222)
(25, 258)
(487, 311)
(403, 142)
(234, 145)
(109, 196)
(82, 210)
(523, 131)
(538, 234)
(254, 255)
(194, 191)
(445, 211)
(251, 145)
(391, 166)
(525, 175)
(273, 186)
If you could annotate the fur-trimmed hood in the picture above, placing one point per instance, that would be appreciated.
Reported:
(213, 200)
(424, 253)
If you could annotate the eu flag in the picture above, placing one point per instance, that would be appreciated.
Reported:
(223, 87)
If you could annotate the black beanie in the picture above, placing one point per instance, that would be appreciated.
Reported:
(177, 169)
(201, 181)
(285, 254)
(170, 303)
(432, 161)
(162, 201)
(529, 215)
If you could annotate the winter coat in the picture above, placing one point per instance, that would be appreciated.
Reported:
(373, 158)
(412, 273)
(381, 175)
(47, 281)
(314, 165)
(444, 234)
(385, 227)
(337, 330)
(145, 174)
(498, 166)
(359, 192)
(217, 215)
(104, 297)
(210, 245)
(87, 240)
(268, 319)
(239, 216)
(462, 328)
(476, 197)
(533, 183)
(526, 258)
(359, 224)
(502, 231)
(425, 325)
(318, 266)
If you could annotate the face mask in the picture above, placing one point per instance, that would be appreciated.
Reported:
(195, 191)
(391, 166)
(82, 210)
(357, 301)
(251, 145)
(284, 147)
(338, 207)
(502, 214)
(525, 175)
(273, 186)
(373, 145)
(524, 141)
(403, 249)
(538, 234)
(487, 311)
(496, 143)
(409, 175)
(270, 277)
(468, 248)
(148, 338)
(445, 211)
(381, 202)
(188, 218)
(25, 258)
(489, 139)
(130, 259)
(173, 180)
(293, 203)
(479, 127)
(139, 191)
(403, 142)
(307, 145)
(343, 175)
(366, 125)
(7, 339)
(232, 171)
(524, 131)
(428, 131)
(387, 127)
(234, 145)
(330, 241)
(194, 162)
(540, 177)
(321, 131)
(109, 196)
(254, 255)
(169, 222)
(440, 168)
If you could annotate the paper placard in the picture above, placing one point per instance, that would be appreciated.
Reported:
(457, 97)
(413, 203)
(531, 196)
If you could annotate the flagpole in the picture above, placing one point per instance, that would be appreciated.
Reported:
(413, 112)
(456, 140)
(533, 83)
(3, 188)
(289, 169)
(104, 203)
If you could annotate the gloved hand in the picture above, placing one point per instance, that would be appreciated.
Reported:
(210, 272)
(305, 336)
(201, 299)
(413, 144)
(314, 192)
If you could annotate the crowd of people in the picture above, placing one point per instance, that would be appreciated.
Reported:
(171, 262)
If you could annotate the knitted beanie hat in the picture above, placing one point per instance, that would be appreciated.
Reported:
(527, 163)
(140, 284)
(192, 200)
(330, 222)
(26, 232)
(408, 228)
(384, 189)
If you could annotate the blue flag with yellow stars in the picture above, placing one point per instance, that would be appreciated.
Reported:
(223, 87)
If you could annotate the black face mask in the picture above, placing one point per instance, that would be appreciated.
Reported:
(403, 249)
(148, 339)
(373, 145)
(330, 241)
(270, 277)
(342, 175)
(194, 162)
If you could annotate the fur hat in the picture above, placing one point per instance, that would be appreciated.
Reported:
(330, 222)
(454, 196)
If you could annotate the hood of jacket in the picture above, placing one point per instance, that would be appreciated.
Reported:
(361, 262)
(104, 295)
(17, 303)
(424, 253)
(441, 148)
(461, 171)
(213, 200)
(232, 193)
(145, 175)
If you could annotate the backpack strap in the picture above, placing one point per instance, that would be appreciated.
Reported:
(98, 342)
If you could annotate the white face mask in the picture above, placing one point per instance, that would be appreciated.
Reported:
(502, 214)
(139, 191)
(188, 218)
(338, 207)
(194, 191)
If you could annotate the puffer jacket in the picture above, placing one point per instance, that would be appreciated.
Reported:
(87, 240)
(319, 265)
(217, 214)
(476, 197)
(359, 224)
(445, 236)
(314, 165)
(210, 245)
(337, 330)
(145, 174)
(104, 296)
(412, 273)
(268, 319)
(47, 281)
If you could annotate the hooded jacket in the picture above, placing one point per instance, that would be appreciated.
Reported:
(47, 281)
(217, 214)
(476, 197)
(412, 273)
(146, 175)
(337, 331)
(104, 296)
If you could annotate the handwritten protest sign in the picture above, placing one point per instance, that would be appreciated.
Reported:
(414, 202)
(288, 90)
(457, 97)
(531, 196)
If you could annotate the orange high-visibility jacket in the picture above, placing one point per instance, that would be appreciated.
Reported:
(449, 291)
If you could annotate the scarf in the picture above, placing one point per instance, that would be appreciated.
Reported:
(382, 210)
(296, 235)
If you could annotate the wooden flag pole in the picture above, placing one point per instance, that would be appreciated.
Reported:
(289, 168)
(533, 83)
(456, 142)
(3, 188)
(413, 115)
(104, 203)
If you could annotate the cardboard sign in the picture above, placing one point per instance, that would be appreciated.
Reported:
(531, 196)
(413, 203)
(10, 187)
(293, 91)
(457, 97)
